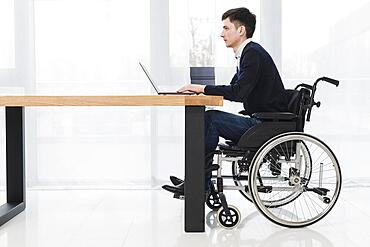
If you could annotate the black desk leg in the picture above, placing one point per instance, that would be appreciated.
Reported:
(15, 174)
(194, 168)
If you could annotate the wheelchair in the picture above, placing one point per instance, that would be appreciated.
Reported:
(293, 178)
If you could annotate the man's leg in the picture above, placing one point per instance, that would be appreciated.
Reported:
(226, 125)
(218, 124)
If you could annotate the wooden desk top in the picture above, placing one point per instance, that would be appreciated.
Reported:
(153, 100)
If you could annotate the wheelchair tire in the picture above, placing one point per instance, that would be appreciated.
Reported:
(311, 203)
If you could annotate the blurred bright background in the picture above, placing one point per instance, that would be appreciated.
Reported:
(93, 47)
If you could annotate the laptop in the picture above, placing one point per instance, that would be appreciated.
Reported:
(155, 86)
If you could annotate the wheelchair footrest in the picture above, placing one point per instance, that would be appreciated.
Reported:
(264, 189)
(319, 191)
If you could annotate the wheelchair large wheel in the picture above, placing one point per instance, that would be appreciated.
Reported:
(299, 195)
(274, 171)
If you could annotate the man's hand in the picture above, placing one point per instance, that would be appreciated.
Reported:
(195, 88)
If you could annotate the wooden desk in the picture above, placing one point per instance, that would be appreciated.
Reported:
(194, 144)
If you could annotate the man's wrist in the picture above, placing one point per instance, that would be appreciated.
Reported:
(204, 89)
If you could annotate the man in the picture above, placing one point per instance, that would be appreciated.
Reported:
(257, 84)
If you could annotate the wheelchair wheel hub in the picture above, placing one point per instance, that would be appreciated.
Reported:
(295, 180)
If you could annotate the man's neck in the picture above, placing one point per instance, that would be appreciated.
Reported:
(235, 48)
(239, 51)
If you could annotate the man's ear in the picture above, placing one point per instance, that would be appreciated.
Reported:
(242, 31)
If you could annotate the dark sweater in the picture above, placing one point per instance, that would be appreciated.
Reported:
(257, 84)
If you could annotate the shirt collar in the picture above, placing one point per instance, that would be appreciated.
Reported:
(240, 49)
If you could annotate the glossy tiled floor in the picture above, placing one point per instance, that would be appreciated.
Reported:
(152, 218)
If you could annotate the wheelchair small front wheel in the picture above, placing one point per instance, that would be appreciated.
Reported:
(229, 219)
(213, 201)
(309, 189)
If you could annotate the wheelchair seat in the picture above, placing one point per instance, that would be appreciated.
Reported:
(274, 123)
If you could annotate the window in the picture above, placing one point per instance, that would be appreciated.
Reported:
(195, 28)
(7, 34)
(88, 47)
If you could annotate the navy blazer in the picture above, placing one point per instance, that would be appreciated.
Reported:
(257, 84)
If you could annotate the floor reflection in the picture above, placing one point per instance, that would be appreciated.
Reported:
(240, 236)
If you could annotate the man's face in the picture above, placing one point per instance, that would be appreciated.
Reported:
(232, 35)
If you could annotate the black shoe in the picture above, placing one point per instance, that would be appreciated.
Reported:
(175, 189)
(178, 191)
(175, 180)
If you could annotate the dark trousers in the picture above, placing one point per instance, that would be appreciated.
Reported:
(226, 125)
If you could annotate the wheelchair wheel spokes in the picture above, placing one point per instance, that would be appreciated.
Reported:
(307, 186)
(273, 172)
(275, 178)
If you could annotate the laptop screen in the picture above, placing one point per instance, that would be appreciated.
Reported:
(149, 77)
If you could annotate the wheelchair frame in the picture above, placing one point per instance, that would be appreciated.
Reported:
(276, 159)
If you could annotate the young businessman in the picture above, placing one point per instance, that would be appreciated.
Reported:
(257, 84)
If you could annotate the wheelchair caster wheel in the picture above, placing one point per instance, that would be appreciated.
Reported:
(228, 221)
(213, 201)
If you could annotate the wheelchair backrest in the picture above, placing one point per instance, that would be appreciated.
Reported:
(298, 102)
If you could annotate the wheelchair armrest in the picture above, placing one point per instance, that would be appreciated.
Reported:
(230, 143)
(275, 115)
(243, 112)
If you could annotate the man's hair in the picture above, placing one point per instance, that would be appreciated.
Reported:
(242, 17)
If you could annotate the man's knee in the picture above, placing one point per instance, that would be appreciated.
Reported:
(211, 115)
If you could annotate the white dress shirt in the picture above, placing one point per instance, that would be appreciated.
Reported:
(239, 51)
